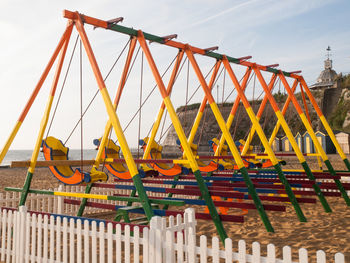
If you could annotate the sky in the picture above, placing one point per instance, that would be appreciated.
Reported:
(293, 33)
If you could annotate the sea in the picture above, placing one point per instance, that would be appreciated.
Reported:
(74, 154)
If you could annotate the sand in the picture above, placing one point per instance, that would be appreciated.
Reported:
(326, 231)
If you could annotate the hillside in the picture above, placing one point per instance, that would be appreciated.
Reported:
(339, 119)
(209, 128)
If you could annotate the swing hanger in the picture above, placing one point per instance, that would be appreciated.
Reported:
(272, 66)
(295, 72)
(166, 38)
(210, 49)
(113, 21)
(244, 58)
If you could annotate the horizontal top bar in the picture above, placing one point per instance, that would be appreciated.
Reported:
(133, 32)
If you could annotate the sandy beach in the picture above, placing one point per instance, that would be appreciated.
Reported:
(326, 231)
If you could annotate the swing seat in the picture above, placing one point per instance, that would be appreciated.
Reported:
(156, 154)
(119, 170)
(258, 164)
(205, 167)
(53, 149)
(227, 163)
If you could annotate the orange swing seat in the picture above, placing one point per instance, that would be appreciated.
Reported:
(54, 150)
(156, 154)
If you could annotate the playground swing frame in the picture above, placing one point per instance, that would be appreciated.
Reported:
(76, 19)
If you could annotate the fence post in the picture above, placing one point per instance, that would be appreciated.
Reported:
(191, 217)
(156, 226)
(191, 246)
(23, 217)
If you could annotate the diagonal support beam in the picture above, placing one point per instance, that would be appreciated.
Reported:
(45, 118)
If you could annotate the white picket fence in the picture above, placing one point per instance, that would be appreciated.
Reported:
(39, 238)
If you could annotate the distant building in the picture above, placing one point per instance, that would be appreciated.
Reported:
(343, 139)
(327, 77)
(286, 146)
(299, 139)
(276, 145)
(308, 144)
(325, 142)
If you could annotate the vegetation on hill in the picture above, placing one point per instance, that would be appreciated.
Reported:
(341, 111)
(344, 80)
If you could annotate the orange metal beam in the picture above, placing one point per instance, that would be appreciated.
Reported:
(125, 71)
(104, 24)
(46, 72)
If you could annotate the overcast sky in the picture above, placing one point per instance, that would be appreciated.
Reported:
(293, 33)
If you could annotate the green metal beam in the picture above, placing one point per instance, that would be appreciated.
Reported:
(114, 198)
(133, 32)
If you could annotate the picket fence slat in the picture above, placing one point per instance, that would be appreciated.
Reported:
(65, 239)
(3, 234)
(71, 241)
(101, 241)
(46, 235)
(52, 239)
(271, 253)
(27, 238)
(86, 242)
(109, 243)
(287, 254)
(78, 241)
(32, 258)
(180, 247)
(94, 241)
(303, 258)
(58, 239)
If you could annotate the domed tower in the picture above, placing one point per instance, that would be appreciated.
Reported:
(328, 76)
